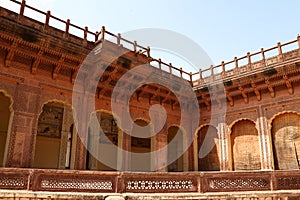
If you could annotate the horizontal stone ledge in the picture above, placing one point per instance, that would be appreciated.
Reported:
(151, 182)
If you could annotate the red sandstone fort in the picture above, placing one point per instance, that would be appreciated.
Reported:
(256, 151)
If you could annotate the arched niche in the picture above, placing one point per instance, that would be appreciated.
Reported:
(176, 157)
(285, 133)
(141, 146)
(208, 151)
(103, 154)
(245, 148)
(54, 143)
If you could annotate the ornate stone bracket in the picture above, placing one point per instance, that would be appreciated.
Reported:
(270, 88)
(229, 97)
(58, 66)
(244, 94)
(256, 91)
(11, 53)
(288, 84)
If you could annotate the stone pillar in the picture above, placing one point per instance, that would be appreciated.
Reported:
(185, 157)
(80, 155)
(93, 142)
(120, 150)
(126, 146)
(192, 125)
(191, 166)
(196, 153)
(265, 140)
(161, 143)
(81, 151)
(24, 126)
(126, 141)
(65, 132)
(224, 146)
(153, 164)
(74, 147)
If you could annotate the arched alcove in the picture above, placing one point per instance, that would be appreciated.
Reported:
(103, 143)
(175, 148)
(55, 133)
(245, 148)
(285, 133)
(141, 146)
(208, 149)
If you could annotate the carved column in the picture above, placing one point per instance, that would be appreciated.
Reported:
(80, 155)
(191, 158)
(120, 150)
(93, 141)
(63, 149)
(81, 151)
(126, 146)
(161, 143)
(24, 126)
(224, 146)
(265, 140)
(191, 124)
(74, 147)
(66, 125)
(126, 141)
(192, 127)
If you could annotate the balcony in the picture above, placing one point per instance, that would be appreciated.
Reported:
(70, 182)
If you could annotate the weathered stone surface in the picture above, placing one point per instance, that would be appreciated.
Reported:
(260, 132)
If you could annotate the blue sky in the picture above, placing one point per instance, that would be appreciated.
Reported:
(224, 29)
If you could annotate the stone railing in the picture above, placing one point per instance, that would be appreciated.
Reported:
(126, 182)
(87, 35)
(246, 64)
